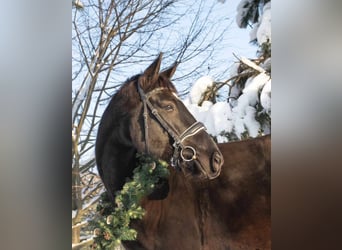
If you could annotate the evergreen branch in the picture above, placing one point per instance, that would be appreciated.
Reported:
(114, 223)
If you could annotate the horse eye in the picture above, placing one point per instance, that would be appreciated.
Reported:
(168, 108)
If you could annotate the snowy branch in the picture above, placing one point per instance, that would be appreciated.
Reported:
(250, 64)
(84, 243)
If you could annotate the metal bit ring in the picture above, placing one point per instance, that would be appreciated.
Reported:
(193, 153)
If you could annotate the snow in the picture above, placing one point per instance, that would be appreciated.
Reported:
(265, 97)
(199, 87)
(261, 30)
(242, 10)
(239, 126)
(222, 114)
(264, 31)
(254, 84)
(251, 124)
(235, 116)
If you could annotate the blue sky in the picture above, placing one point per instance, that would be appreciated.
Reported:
(234, 41)
(238, 38)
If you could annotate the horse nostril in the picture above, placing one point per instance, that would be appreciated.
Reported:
(216, 162)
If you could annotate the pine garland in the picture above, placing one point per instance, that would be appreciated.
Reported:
(114, 223)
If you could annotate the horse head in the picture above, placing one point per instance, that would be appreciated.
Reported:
(165, 129)
(146, 116)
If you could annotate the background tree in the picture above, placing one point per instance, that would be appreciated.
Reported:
(255, 14)
(240, 106)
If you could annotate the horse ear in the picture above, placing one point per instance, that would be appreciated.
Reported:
(152, 72)
(168, 73)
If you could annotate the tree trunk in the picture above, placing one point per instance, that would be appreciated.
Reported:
(76, 235)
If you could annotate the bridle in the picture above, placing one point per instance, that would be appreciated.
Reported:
(178, 145)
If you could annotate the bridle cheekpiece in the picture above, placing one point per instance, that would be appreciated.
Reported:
(178, 145)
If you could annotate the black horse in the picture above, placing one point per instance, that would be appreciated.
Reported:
(146, 116)
(210, 206)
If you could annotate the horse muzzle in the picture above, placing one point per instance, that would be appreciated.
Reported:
(194, 166)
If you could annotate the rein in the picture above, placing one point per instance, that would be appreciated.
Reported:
(178, 145)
